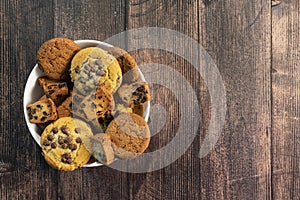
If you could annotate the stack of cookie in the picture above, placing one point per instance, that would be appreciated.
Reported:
(92, 107)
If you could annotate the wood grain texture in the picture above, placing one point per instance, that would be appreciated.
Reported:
(181, 179)
(237, 34)
(24, 26)
(285, 88)
(255, 47)
(88, 19)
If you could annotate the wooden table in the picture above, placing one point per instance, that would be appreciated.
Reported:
(255, 47)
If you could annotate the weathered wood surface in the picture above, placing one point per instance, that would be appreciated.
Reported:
(254, 46)
(285, 107)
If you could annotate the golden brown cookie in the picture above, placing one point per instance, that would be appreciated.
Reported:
(102, 149)
(54, 57)
(127, 63)
(139, 109)
(65, 109)
(45, 80)
(66, 143)
(42, 111)
(129, 134)
(135, 93)
(92, 68)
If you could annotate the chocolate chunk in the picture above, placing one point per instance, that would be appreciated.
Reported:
(77, 130)
(68, 139)
(61, 85)
(67, 155)
(69, 161)
(50, 137)
(72, 147)
(140, 89)
(54, 130)
(36, 117)
(33, 111)
(91, 75)
(43, 119)
(93, 69)
(86, 71)
(77, 69)
(87, 67)
(46, 143)
(100, 72)
(51, 92)
(39, 106)
(45, 113)
(70, 104)
(64, 145)
(78, 140)
(98, 62)
(65, 130)
(76, 98)
(60, 140)
(53, 145)
(63, 159)
(83, 80)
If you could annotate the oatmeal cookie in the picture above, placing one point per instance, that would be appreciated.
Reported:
(54, 57)
(129, 134)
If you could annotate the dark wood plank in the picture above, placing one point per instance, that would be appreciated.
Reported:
(237, 34)
(88, 19)
(285, 88)
(181, 179)
(24, 26)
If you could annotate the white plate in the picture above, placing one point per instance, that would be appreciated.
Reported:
(33, 92)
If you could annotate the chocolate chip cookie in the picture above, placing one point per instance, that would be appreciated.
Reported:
(66, 143)
(42, 111)
(93, 67)
(135, 93)
(56, 90)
